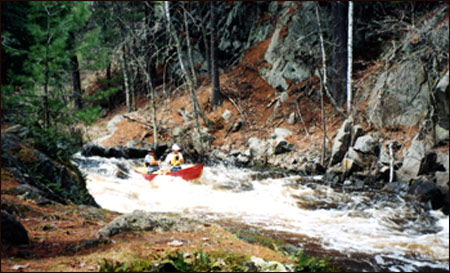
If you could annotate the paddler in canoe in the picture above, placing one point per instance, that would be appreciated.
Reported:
(175, 158)
(171, 166)
(172, 163)
(150, 162)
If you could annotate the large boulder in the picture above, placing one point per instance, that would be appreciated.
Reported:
(366, 144)
(341, 142)
(426, 191)
(419, 159)
(13, 231)
(142, 220)
(258, 147)
(442, 176)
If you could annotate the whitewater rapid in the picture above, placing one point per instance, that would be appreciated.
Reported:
(399, 235)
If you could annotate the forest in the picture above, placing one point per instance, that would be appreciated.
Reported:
(339, 107)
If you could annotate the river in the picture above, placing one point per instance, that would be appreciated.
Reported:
(363, 231)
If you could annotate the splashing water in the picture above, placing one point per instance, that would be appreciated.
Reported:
(399, 235)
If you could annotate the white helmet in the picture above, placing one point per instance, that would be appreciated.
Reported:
(175, 147)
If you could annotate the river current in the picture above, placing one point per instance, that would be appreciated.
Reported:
(364, 231)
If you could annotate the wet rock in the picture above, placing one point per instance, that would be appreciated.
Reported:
(243, 159)
(283, 146)
(353, 185)
(333, 175)
(13, 231)
(122, 171)
(398, 187)
(92, 149)
(426, 191)
(312, 168)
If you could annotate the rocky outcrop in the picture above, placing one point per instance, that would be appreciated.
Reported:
(43, 179)
(402, 94)
(142, 220)
(13, 231)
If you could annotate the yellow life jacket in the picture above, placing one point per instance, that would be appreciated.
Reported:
(176, 160)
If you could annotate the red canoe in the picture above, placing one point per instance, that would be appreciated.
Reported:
(189, 173)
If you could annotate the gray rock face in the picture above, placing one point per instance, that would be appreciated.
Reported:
(401, 95)
(13, 231)
(290, 59)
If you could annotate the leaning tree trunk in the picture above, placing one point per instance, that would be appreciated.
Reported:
(216, 96)
(189, 47)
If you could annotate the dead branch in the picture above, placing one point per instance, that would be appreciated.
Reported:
(138, 121)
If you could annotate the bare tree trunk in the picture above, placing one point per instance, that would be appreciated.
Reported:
(131, 79)
(207, 50)
(188, 42)
(197, 109)
(324, 65)
(338, 35)
(125, 79)
(350, 56)
(108, 85)
(391, 164)
(46, 94)
(216, 96)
